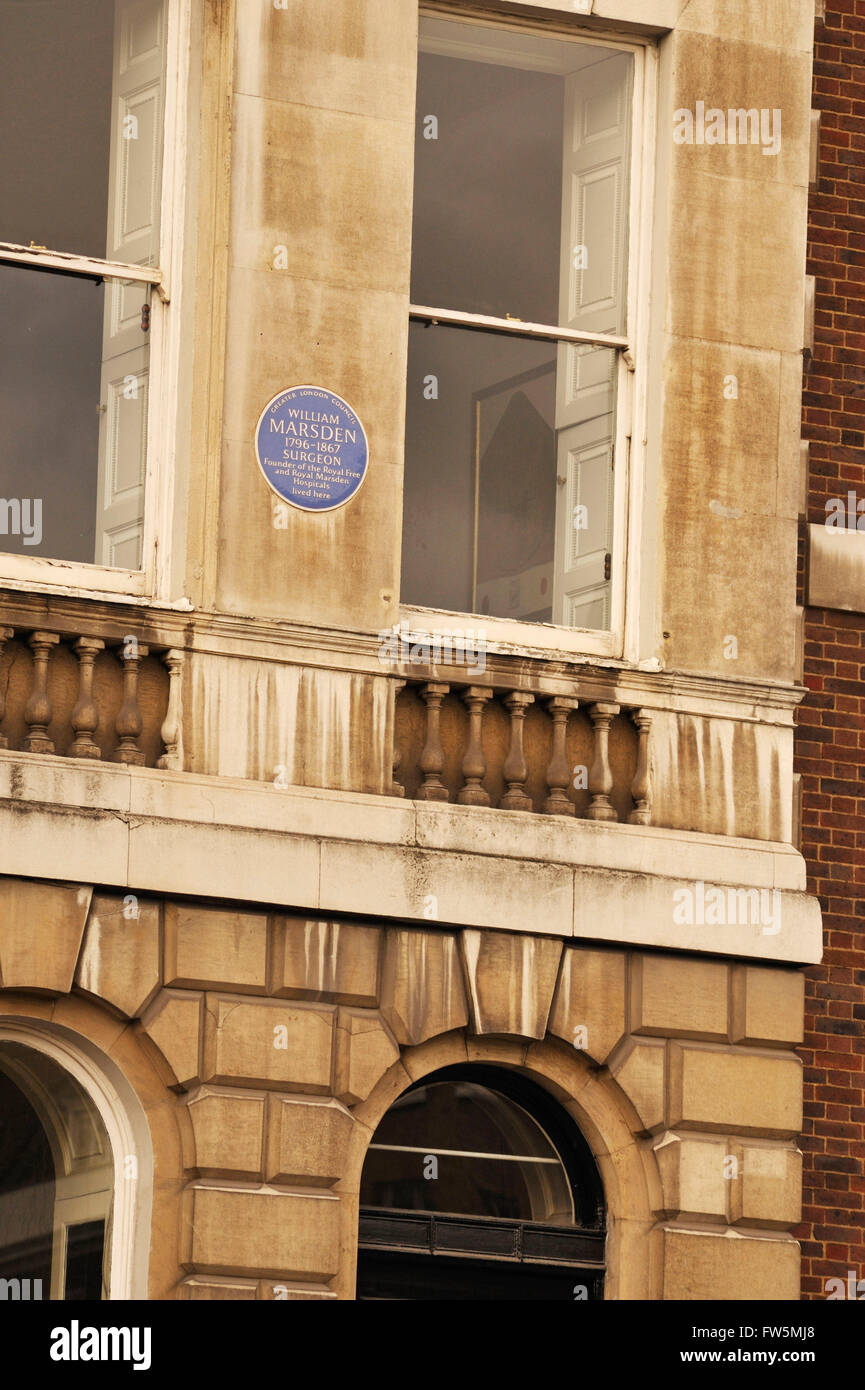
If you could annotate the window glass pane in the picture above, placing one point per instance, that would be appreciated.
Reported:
(55, 101)
(521, 210)
(85, 1251)
(81, 105)
(508, 476)
(520, 202)
(73, 414)
(463, 1116)
(26, 1191)
(488, 190)
(465, 1186)
(480, 470)
(491, 1158)
(56, 1181)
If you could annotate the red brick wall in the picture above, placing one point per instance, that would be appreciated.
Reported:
(831, 741)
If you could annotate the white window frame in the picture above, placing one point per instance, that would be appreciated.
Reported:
(548, 639)
(151, 581)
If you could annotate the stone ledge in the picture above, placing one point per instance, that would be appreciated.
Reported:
(137, 795)
(163, 832)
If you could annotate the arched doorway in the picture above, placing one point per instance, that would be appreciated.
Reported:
(477, 1185)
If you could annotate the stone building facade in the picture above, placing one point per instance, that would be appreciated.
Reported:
(268, 864)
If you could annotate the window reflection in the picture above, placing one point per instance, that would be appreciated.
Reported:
(520, 214)
(491, 1158)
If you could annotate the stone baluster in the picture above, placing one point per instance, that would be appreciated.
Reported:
(641, 787)
(38, 712)
(129, 723)
(432, 759)
(85, 715)
(558, 771)
(515, 770)
(474, 764)
(171, 732)
(600, 773)
(397, 788)
(6, 635)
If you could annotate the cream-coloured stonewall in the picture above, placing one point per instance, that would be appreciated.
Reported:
(258, 930)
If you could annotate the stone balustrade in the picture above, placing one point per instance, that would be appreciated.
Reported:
(89, 697)
(521, 751)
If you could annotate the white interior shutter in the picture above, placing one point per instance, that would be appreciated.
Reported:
(134, 195)
(592, 299)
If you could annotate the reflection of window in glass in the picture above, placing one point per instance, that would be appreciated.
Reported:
(520, 217)
(56, 1181)
(494, 1158)
(82, 110)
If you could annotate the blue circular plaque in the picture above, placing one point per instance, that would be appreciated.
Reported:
(311, 448)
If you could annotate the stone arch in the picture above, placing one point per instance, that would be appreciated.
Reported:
(588, 1094)
(144, 1120)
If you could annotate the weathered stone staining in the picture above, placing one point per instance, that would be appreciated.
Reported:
(669, 1060)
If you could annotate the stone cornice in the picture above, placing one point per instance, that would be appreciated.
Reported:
(379, 857)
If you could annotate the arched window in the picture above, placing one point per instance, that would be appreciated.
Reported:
(477, 1185)
(75, 1171)
(56, 1180)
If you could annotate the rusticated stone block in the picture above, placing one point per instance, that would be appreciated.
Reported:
(590, 997)
(325, 960)
(768, 1189)
(206, 948)
(639, 1068)
(258, 1042)
(694, 1175)
(173, 1025)
(511, 979)
(307, 1141)
(228, 1128)
(365, 1051)
(768, 1005)
(262, 1231)
(717, 1090)
(673, 995)
(422, 992)
(41, 926)
(119, 961)
(731, 1267)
